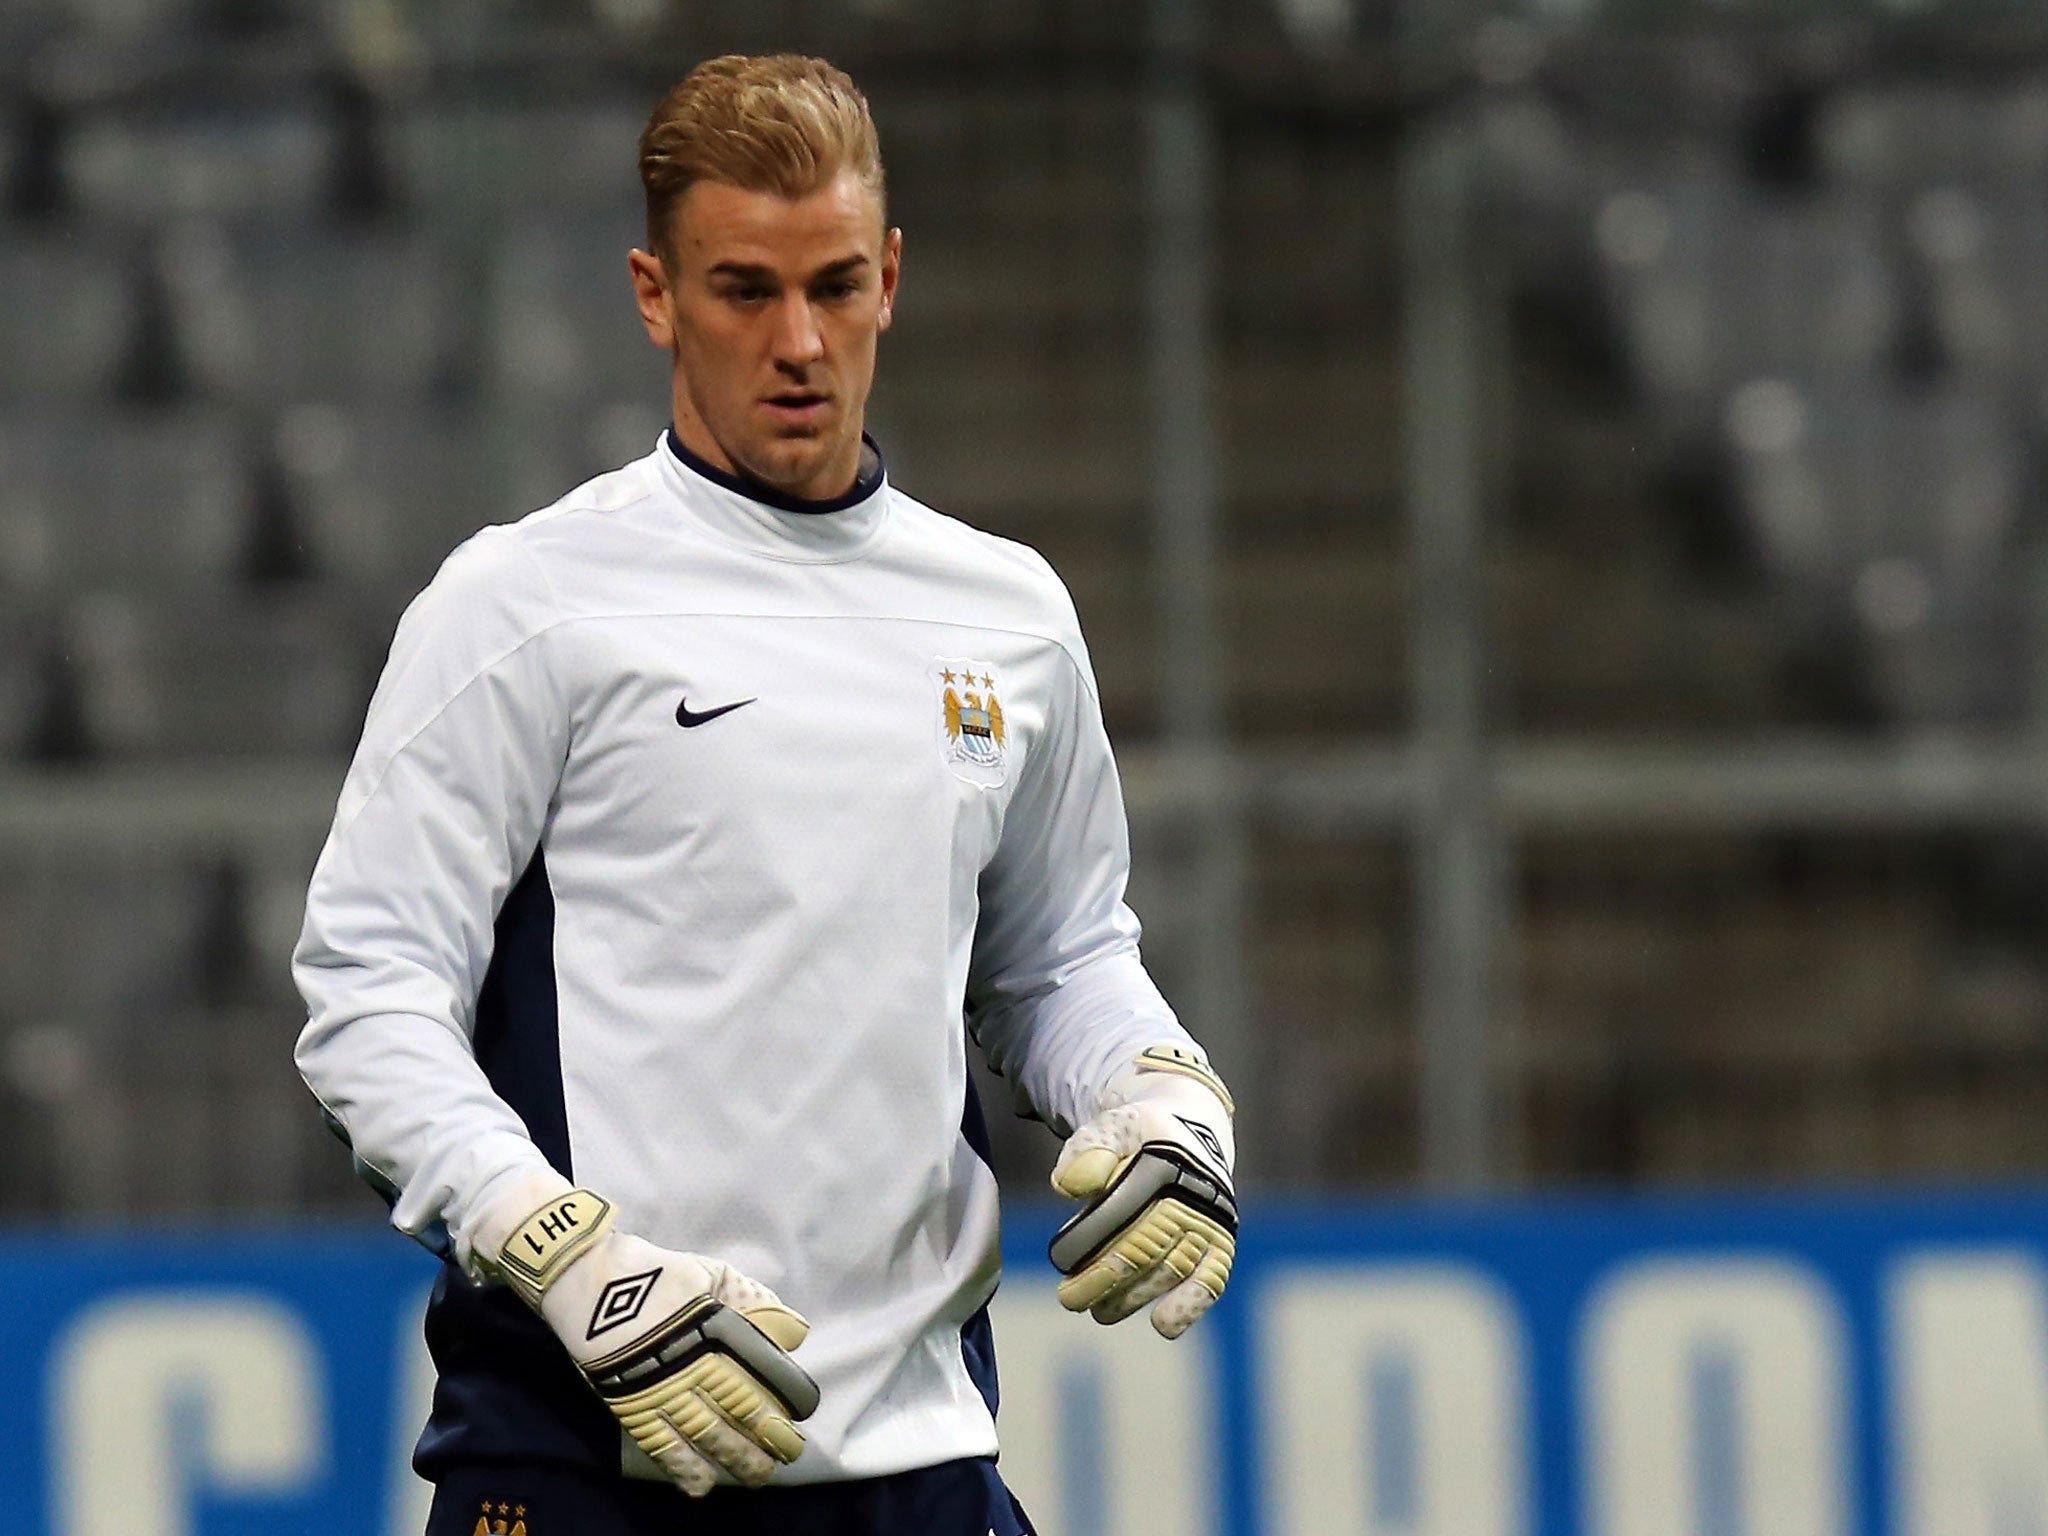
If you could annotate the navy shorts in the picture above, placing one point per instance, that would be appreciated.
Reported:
(955, 1498)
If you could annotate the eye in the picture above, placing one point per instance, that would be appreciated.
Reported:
(839, 288)
(747, 293)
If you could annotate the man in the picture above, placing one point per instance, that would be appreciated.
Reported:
(689, 814)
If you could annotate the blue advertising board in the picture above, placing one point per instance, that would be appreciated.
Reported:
(1764, 1366)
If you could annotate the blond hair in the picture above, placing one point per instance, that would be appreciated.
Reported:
(778, 123)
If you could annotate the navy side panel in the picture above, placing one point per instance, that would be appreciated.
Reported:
(974, 1127)
(977, 1338)
(506, 1389)
(518, 1021)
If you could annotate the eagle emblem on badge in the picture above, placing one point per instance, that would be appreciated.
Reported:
(972, 732)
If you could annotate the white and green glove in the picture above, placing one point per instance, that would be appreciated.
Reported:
(689, 1354)
(1161, 1222)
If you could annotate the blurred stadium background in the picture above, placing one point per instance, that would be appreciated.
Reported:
(1554, 488)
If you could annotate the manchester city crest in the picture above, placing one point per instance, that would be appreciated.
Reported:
(487, 1526)
(972, 732)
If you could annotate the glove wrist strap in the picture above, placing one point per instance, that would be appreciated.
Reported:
(550, 1239)
(1180, 1060)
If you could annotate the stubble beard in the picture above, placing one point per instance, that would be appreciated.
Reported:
(755, 458)
(788, 464)
(783, 462)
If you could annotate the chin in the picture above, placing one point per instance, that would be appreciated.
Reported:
(790, 462)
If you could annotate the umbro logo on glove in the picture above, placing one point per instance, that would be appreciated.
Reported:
(1206, 1137)
(621, 1301)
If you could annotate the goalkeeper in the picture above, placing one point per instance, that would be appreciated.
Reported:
(689, 815)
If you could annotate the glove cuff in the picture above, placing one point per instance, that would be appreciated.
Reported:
(1180, 1060)
(551, 1239)
(536, 1230)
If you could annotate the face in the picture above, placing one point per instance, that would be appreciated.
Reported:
(771, 313)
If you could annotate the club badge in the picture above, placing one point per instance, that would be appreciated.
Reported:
(493, 1521)
(973, 735)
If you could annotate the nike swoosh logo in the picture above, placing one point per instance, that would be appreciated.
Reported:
(686, 717)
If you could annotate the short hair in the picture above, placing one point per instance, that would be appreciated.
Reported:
(779, 123)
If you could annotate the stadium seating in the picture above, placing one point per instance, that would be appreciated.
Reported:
(1912, 133)
(94, 500)
(138, 168)
(481, 158)
(562, 321)
(23, 664)
(270, 350)
(381, 494)
(1894, 519)
(69, 315)
(279, 313)
(97, 940)
(1715, 285)
(1982, 256)
(164, 679)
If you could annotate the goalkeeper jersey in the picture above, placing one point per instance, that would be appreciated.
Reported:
(685, 823)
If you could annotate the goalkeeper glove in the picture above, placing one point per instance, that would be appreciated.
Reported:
(1161, 1223)
(688, 1353)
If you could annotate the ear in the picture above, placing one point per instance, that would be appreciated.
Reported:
(892, 274)
(650, 292)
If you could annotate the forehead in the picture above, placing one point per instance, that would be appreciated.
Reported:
(718, 222)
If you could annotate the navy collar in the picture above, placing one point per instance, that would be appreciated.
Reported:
(865, 480)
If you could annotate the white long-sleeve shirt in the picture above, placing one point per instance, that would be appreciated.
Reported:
(683, 827)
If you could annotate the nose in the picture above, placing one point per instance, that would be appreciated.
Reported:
(798, 339)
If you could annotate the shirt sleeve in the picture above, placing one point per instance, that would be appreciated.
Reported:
(441, 811)
(1057, 997)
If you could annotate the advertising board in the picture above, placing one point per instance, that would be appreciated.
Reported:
(1764, 1366)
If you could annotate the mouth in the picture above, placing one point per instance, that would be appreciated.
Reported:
(796, 407)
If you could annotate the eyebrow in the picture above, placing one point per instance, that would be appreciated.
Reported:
(753, 272)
